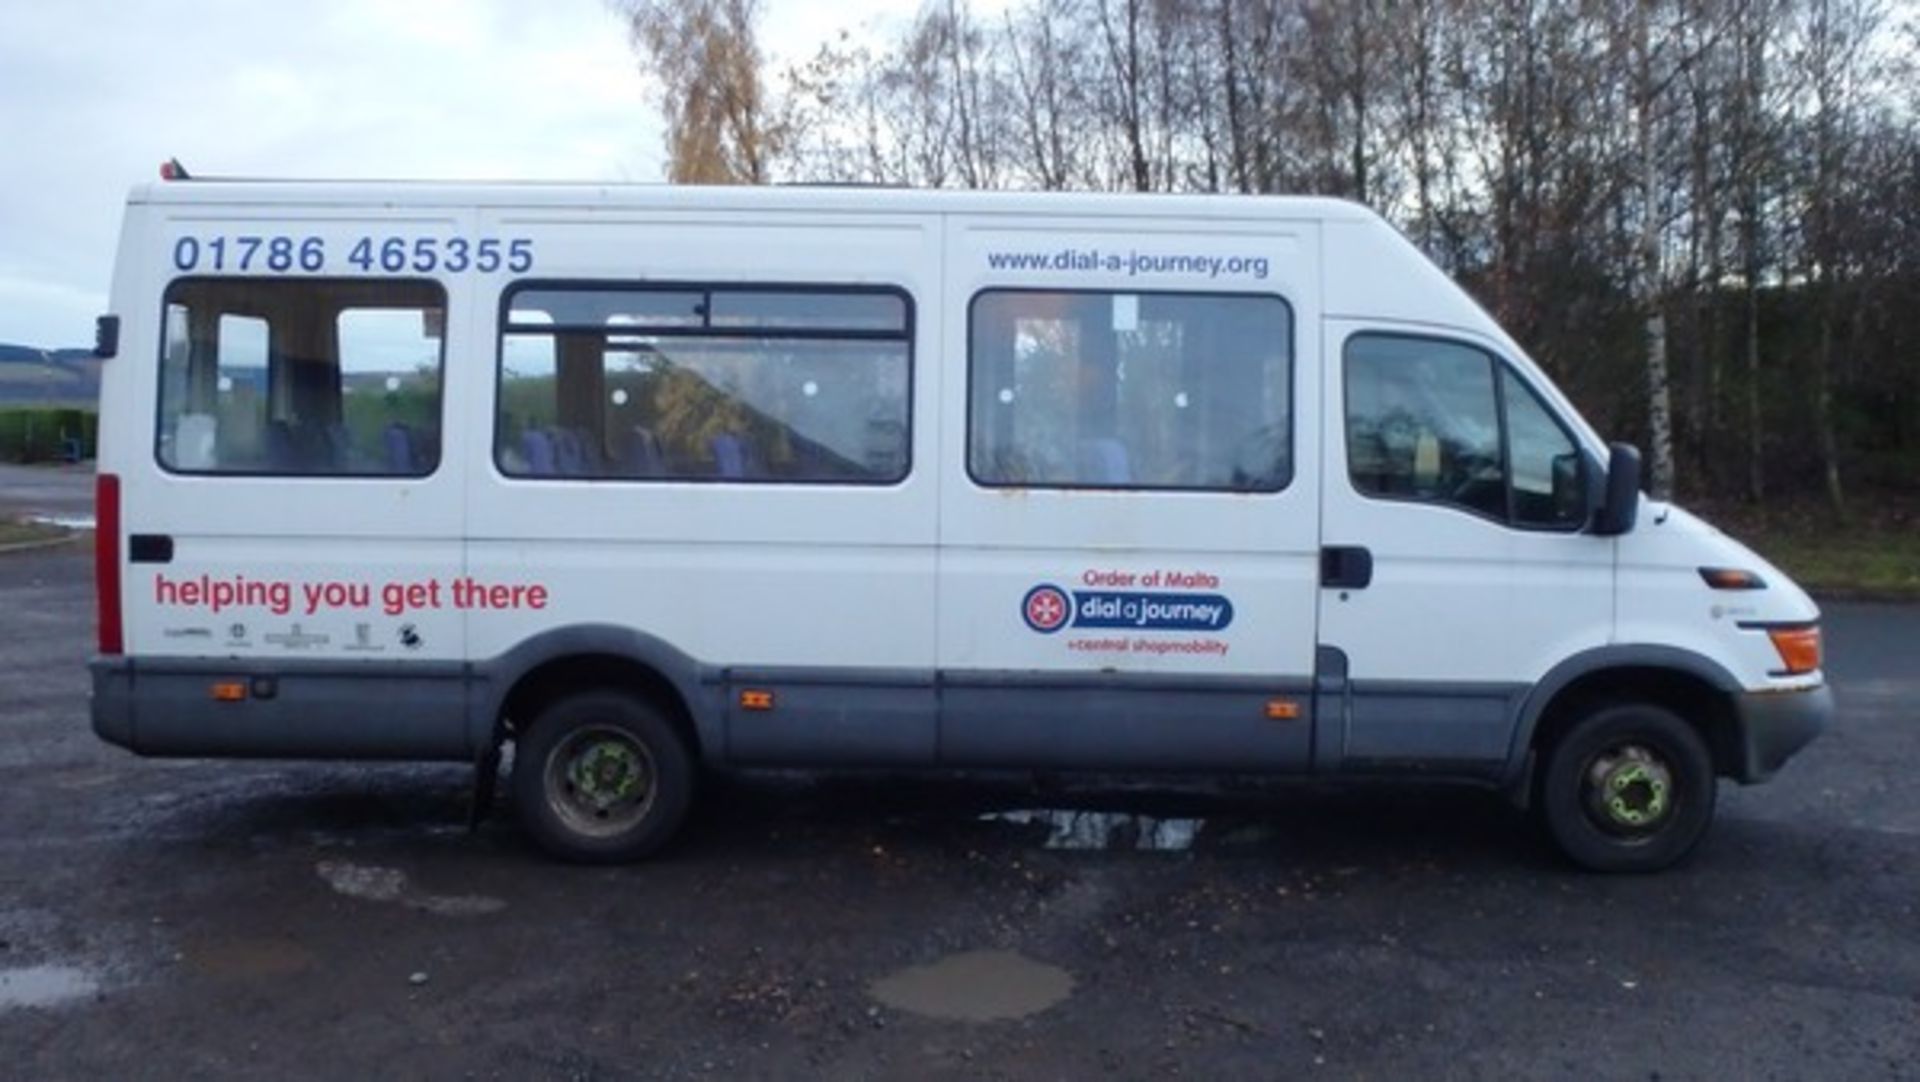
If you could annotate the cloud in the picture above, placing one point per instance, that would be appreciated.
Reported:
(94, 95)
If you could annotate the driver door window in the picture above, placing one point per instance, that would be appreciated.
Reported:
(1433, 421)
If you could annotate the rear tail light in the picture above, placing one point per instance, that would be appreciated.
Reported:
(1799, 648)
(106, 561)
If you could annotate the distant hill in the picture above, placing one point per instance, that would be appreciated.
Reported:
(29, 375)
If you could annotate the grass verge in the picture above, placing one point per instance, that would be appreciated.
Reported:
(17, 532)
(1869, 555)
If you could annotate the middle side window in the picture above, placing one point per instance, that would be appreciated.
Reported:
(1097, 389)
(705, 383)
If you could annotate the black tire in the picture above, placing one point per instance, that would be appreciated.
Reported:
(1627, 788)
(602, 777)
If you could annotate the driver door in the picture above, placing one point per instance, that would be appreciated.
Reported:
(1454, 567)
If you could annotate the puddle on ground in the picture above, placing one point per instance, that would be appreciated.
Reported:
(976, 986)
(1105, 830)
(243, 958)
(65, 522)
(44, 986)
(376, 884)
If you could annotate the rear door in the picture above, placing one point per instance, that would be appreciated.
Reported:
(300, 488)
(1128, 517)
(297, 501)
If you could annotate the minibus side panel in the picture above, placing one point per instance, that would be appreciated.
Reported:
(1129, 523)
(780, 533)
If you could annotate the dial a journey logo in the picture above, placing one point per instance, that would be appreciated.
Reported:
(1048, 608)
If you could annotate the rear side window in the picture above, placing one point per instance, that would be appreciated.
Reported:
(1094, 389)
(1442, 422)
(327, 377)
(692, 382)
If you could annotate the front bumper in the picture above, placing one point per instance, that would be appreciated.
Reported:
(1773, 725)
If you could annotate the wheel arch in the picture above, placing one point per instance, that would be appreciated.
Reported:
(515, 685)
(1697, 688)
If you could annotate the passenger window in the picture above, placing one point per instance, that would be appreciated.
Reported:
(388, 423)
(708, 383)
(1096, 389)
(311, 377)
(1442, 422)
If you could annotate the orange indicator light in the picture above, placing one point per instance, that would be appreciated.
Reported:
(1799, 648)
(1732, 578)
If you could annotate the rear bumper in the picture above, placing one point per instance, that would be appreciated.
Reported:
(112, 704)
(292, 710)
(1774, 725)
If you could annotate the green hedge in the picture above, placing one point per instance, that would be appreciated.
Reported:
(47, 435)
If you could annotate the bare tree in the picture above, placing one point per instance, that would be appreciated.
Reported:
(1751, 149)
(1699, 214)
(1127, 83)
(1046, 63)
(706, 62)
(1831, 59)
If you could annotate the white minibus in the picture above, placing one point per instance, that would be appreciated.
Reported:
(644, 479)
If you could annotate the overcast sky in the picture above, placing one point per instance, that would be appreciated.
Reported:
(95, 94)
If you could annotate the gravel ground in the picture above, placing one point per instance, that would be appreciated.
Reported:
(196, 919)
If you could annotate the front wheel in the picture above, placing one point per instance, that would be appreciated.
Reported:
(602, 778)
(1628, 788)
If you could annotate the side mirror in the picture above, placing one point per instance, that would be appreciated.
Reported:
(106, 337)
(1620, 505)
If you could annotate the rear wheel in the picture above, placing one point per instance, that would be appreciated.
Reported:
(602, 778)
(1628, 788)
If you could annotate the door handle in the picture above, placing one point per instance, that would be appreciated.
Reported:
(1345, 567)
(150, 548)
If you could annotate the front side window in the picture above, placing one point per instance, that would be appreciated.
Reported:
(311, 377)
(1544, 461)
(1095, 389)
(1442, 422)
(705, 383)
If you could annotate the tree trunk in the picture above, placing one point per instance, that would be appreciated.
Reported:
(1756, 472)
(1750, 156)
(1659, 398)
(1823, 404)
(1357, 96)
(1236, 120)
(1659, 404)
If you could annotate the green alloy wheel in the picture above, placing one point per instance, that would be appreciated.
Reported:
(1627, 788)
(602, 777)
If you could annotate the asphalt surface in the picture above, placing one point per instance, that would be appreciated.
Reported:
(200, 919)
(62, 491)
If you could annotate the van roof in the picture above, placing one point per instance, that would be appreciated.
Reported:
(824, 197)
